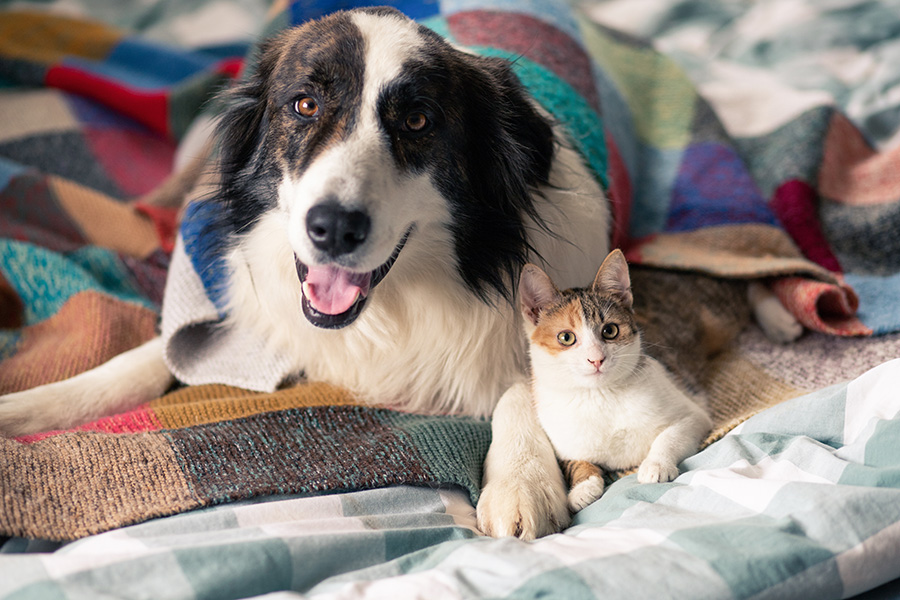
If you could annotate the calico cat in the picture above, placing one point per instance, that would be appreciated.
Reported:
(603, 401)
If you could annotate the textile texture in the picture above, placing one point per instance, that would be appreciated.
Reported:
(732, 151)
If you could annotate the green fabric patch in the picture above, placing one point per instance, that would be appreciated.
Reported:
(658, 92)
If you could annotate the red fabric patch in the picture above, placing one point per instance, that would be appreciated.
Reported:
(536, 40)
(854, 173)
(821, 306)
(166, 222)
(230, 66)
(139, 420)
(620, 194)
(137, 162)
(794, 203)
(149, 108)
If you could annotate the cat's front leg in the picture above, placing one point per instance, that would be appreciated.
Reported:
(585, 483)
(523, 492)
(673, 445)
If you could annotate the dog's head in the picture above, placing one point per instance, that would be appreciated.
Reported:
(363, 128)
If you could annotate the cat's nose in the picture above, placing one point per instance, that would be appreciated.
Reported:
(596, 362)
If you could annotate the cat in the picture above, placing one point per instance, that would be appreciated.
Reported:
(603, 401)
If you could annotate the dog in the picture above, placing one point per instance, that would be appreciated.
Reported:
(379, 190)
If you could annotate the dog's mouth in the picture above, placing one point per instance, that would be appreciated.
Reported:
(333, 297)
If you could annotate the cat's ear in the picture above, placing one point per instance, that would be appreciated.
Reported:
(612, 279)
(536, 291)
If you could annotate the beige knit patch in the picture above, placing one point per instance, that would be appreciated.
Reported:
(738, 389)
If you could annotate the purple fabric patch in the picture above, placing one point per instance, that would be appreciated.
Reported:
(713, 187)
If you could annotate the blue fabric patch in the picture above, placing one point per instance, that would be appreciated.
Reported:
(649, 209)
(144, 65)
(204, 231)
(713, 187)
(303, 11)
(878, 305)
(8, 171)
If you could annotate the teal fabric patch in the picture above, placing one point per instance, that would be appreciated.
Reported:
(246, 568)
(8, 170)
(771, 551)
(45, 280)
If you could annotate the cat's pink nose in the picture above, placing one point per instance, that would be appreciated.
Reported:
(596, 362)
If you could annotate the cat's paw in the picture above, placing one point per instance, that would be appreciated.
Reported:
(584, 493)
(657, 471)
(774, 319)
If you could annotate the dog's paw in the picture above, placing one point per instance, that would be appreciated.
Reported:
(657, 471)
(584, 493)
(528, 510)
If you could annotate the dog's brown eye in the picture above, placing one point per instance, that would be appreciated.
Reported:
(610, 331)
(416, 121)
(306, 107)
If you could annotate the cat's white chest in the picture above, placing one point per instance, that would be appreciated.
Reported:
(611, 428)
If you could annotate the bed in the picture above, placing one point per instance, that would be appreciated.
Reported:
(743, 140)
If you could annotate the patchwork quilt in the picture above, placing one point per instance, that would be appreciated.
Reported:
(740, 141)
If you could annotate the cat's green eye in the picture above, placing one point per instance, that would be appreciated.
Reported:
(566, 338)
(610, 331)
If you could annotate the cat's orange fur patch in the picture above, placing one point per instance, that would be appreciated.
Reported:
(569, 316)
(577, 471)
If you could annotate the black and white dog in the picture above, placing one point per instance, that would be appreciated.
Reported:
(384, 188)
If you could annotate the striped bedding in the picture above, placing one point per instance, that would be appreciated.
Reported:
(741, 140)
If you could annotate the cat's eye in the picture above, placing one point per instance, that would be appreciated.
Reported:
(306, 107)
(610, 331)
(566, 338)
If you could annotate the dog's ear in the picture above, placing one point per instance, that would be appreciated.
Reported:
(530, 132)
(509, 151)
(242, 124)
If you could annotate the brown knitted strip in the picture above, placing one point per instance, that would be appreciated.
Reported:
(121, 480)
(88, 330)
(213, 403)
(134, 234)
(738, 389)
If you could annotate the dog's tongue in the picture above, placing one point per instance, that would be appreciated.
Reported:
(332, 290)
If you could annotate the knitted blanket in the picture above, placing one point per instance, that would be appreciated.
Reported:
(89, 123)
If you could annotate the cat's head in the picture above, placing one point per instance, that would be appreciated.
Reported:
(582, 336)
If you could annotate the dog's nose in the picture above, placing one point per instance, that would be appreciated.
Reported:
(335, 230)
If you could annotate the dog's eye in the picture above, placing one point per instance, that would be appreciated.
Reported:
(416, 122)
(306, 107)
(566, 338)
(610, 331)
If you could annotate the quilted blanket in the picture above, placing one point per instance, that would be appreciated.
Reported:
(729, 148)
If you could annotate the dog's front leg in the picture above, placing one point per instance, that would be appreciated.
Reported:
(523, 493)
(122, 383)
